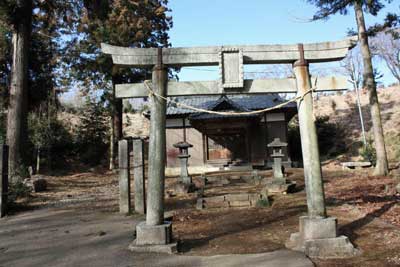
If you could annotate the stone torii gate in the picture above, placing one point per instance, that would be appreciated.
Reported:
(317, 235)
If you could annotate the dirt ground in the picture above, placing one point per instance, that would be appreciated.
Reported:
(367, 209)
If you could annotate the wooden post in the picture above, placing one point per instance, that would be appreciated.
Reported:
(309, 141)
(138, 175)
(3, 179)
(157, 143)
(124, 178)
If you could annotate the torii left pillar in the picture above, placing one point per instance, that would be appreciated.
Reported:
(155, 234)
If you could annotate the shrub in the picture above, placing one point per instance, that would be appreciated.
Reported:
(368, 152)
(331, 138)
(49, 137)
(17, 190)
(262, 203)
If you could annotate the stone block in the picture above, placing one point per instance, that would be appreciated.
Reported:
(215, 199)
(36, 184)
(183, 188)
(356, 164)
(280, 188)
(237, 197)
(168, 248)
(153, 234)
(199, 204)
(223, 204)
(337, 247)
(213, 179)
(317, 228)
(245, 203)
(39, 184)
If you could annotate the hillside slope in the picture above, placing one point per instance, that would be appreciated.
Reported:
(342, 109)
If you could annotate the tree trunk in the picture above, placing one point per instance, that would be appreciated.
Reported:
(38, 161)
(18, 89)
(116, 119)
(112, 145)
(369, 82)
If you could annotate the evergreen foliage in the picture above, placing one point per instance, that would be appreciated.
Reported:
(124, 23)
(92, 133)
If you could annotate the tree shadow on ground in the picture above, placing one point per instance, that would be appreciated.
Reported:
(350, 229)
(242, 225)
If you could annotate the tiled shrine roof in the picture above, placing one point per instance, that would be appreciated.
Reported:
(236, 102)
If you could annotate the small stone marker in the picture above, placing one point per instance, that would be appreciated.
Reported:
(124, 179)
(138, 175)
(3, 179)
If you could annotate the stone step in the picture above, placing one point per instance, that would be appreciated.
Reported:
(229, 200)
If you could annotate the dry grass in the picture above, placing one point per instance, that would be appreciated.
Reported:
(344, 111)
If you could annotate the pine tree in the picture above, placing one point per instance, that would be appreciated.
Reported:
(327, 8)
(140, 23)
(30, 33)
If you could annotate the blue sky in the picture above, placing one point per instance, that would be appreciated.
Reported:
(229, 22)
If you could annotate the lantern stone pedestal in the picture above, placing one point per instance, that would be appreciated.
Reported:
(185, 184)
(279, 184)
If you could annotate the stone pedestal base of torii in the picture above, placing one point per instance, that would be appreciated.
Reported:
(317, 235)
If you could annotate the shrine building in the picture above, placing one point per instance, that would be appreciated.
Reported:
(227, 142)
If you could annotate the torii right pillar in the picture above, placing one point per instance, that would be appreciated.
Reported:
(317, 235)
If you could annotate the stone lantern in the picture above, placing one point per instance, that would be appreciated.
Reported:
(279, 184)
(277, 145)
(183, 158)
